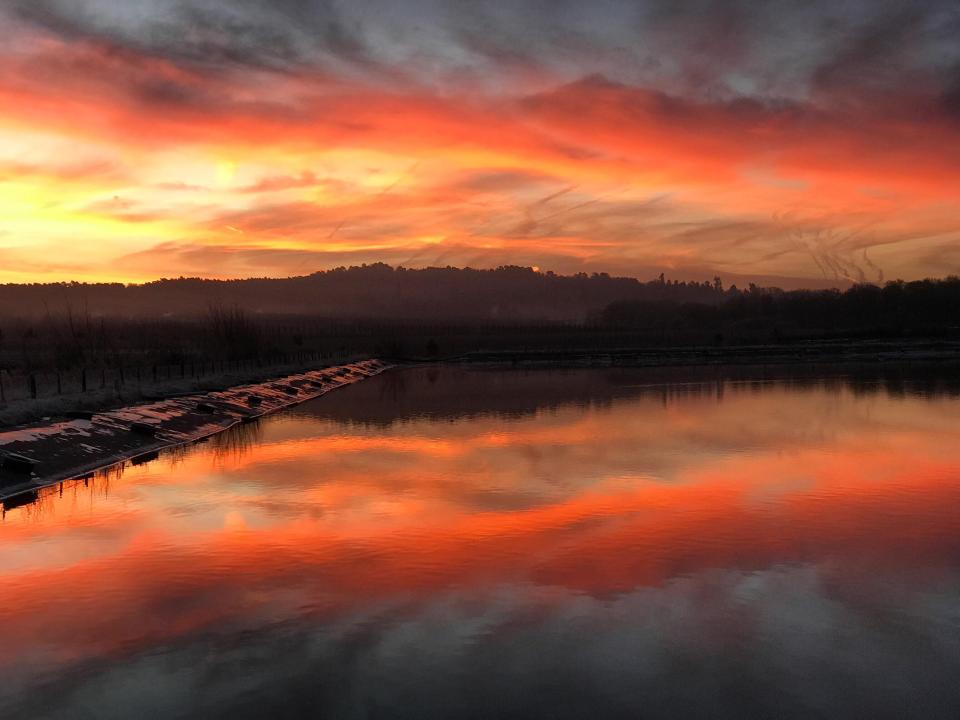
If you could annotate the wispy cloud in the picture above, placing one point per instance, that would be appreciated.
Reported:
(491, 133)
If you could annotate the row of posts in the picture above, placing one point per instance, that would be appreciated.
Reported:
(159, 373)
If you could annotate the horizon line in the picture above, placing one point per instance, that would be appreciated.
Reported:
(795, 283)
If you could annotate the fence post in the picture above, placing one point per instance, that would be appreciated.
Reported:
(33, 387)
(83, 379)
(59, 384)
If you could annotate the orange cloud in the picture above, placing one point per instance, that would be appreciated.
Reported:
(602, 175)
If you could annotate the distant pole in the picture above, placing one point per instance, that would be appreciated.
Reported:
(3, 393)
(33, 387)
(83, 379)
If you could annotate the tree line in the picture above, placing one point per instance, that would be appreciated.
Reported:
(381, 311)
(376, 292)
(896, 309)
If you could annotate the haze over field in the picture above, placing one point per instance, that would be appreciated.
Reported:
(783, 143)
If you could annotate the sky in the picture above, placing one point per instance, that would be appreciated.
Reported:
(793, 143)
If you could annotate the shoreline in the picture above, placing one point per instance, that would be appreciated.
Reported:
(35, 456)
(40, 454)
(59, 394)
(877, 352)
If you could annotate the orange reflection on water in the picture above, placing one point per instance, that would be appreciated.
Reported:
(317, 517)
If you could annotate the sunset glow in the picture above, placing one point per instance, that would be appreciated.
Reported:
(406, 505)
(221, 139)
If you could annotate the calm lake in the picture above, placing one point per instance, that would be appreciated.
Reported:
(453, 543)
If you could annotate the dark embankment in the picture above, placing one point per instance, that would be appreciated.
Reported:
(33, 456)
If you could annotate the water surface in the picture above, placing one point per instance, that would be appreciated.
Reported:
(441, 542)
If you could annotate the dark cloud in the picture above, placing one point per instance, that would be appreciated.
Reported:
(186, 33)
(732, 48)
(950, 99)
(875, 56)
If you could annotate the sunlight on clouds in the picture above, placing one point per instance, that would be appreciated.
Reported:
(136, 151)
